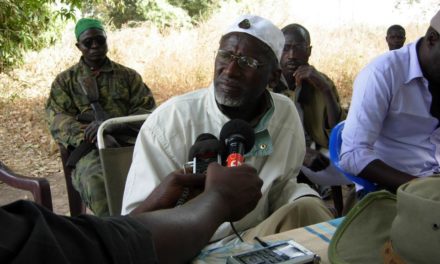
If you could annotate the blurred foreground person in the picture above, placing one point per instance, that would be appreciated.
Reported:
(395, 37)
(84, 96)
(31, 234)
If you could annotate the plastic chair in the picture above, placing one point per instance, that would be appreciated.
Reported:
(115, 163)
(335, 151)
(39, 187)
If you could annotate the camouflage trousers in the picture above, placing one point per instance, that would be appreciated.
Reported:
(88, 180)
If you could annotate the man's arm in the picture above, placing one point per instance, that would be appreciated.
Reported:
(180, 233)
(141, 101)
(169, 191)
(141, 97)
(311, 75)
(60, 114)
(386, 176)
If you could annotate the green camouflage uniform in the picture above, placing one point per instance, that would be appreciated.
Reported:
(121, 93)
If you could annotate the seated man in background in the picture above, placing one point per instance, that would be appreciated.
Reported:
(247, 63)
(85, 95)
(392, 133)
(316, 98)
(32, 234)
(395, 37)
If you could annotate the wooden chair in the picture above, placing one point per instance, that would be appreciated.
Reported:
(39, 187)
(76, 205)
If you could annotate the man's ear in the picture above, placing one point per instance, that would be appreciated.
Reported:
(309, 51)
(274, 78)
(433, 37)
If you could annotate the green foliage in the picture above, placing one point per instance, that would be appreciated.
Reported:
(162, 13)
(34, 24)
(30, 24)
(197, 9)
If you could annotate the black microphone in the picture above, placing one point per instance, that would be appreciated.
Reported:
(239, 138)
(205, 150)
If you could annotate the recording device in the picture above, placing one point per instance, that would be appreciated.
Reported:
(239, 138)
(288, 252)
(205, 150)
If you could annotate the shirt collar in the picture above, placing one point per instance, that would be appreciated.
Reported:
(263, 142)
(415, 71)
(106, 67)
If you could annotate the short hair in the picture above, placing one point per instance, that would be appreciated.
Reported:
(297, 29)
(396, 28)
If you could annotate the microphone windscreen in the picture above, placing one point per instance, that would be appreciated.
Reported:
(206, 145)
(239, 127)
(205, 136)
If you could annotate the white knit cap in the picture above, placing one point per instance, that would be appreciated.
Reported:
(435, 22)
(262, 29)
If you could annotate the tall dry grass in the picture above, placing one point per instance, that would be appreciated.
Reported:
(171, 63)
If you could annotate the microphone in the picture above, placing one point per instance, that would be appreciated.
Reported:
(239, 138)
(205, 150)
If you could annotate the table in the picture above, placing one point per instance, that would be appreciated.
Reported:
(314, 237)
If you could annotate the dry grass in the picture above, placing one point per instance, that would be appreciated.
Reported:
(171, 63)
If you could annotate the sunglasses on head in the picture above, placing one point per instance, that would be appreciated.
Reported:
(99, 40)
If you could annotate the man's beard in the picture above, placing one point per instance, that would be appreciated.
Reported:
(225, 100)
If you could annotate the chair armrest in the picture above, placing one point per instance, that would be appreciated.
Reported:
(116, 120)
(39, 187)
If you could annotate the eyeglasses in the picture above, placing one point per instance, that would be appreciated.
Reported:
(244, 62)
(295, 47)
(99, 40)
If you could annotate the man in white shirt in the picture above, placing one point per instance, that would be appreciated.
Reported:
(247, 62)
(392, 134)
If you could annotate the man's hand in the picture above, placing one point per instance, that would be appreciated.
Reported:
(168, 192)
(315, 160)
(91, 131)
(311, 75)
(239, 187)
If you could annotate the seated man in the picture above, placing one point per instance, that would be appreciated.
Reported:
(395, 37)
(32, 234)
(82, 97)
(247, 62)
(392, 133)
(316, 97)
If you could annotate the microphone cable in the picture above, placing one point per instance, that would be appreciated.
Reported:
(235, 231)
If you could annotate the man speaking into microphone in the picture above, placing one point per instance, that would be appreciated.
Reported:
(246, 64)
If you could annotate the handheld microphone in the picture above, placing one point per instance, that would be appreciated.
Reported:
(239, 138)
(205, 150)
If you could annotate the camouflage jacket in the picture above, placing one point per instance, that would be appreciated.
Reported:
(312, 109)
(121, 92)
